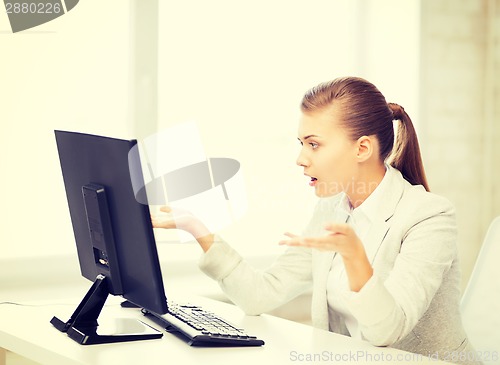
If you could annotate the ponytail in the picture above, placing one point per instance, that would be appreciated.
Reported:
(405, 154)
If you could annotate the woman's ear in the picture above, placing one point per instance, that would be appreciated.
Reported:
(365, 146)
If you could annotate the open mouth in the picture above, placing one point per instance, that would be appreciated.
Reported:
(313, 181)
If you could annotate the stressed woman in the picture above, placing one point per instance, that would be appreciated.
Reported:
(380, 251)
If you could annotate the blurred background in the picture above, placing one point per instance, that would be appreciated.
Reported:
(130, 68)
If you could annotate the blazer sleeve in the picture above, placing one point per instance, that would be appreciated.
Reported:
(388, 310)
(258, 291)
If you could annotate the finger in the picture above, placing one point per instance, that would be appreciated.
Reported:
(304, 241)
(325, 241)
(309, 243)
(322, 241)
(291, 235)
(159, 223)
(340, 228)
(293, 241)
(165, 209)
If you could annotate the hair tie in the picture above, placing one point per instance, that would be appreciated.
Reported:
(397, 111)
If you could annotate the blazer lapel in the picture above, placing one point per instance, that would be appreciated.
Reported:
(381, 223)
(376, 235)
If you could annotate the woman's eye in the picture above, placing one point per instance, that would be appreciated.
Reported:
(313, 145)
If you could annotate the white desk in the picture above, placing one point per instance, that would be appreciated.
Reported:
(26, 330)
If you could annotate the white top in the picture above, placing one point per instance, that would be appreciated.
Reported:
(360, 218)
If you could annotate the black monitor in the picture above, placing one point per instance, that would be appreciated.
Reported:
(113, 232)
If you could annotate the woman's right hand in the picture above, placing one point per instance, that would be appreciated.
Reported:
(164, 221)
(183, 219)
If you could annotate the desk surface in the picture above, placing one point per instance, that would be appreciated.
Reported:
(26, 331)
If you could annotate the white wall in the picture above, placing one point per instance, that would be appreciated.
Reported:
(71, 73)
(460, 69)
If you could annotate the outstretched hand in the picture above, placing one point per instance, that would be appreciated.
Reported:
(183, 219)
(341, 239)
(175, 218)
(344, 240)
(164, 221)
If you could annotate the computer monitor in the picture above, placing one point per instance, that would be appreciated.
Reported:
(113, 232)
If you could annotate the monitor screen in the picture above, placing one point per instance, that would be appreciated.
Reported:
(113, 231)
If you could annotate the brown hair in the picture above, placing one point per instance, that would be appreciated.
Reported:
(365, 112)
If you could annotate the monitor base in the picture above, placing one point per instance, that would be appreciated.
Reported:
(82, 326)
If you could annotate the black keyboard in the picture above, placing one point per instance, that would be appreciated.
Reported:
(202, 328)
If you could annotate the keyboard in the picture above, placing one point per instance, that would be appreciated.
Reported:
(200, 327)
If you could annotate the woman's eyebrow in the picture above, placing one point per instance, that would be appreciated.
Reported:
(306, 137)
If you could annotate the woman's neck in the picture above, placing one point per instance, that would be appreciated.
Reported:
(367, 180)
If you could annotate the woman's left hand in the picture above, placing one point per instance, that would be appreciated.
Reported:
(342, 239)
(346, 242)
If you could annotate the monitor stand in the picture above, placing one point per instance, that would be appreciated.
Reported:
(82, 326)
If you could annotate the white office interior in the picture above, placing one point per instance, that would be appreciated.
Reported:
(238, 69)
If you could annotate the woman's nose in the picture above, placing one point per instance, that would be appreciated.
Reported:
(302, 160)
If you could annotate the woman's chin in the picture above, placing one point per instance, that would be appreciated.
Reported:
(325, 194)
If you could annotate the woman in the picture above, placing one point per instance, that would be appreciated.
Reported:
(380, 250)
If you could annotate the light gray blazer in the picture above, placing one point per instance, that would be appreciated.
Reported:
(412, 301)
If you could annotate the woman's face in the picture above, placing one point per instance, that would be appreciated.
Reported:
(328, 155)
